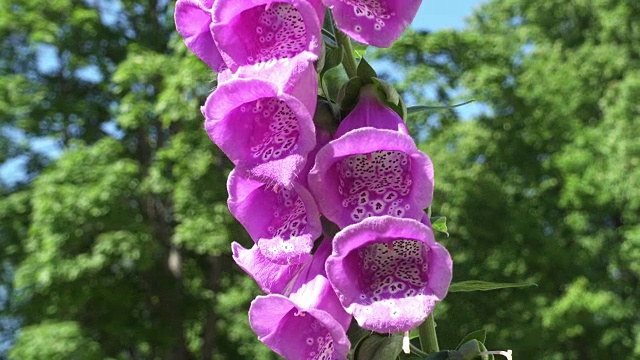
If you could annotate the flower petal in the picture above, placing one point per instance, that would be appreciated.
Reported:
(311, 323)
(252, 31)
(389, 272)
(373, 22)
(271, 277)
(312, 289)
(371, 172)
(283, 222)
(193, 21)
(295, 76)
(297, 333)
(265, 132)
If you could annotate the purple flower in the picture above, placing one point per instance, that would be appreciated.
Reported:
(283, 222)
(371, 112)
(295, 76)
(271, 277)
(259, 122)
(311, 323)
(251, 31)
(389, 272)
(374, 22)
(193, 22)
(371, 171)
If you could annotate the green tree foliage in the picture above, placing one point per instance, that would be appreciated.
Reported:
(116, 241)
(544, 184)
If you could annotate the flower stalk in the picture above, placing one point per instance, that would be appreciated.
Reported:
(348, 60)
(428, 337)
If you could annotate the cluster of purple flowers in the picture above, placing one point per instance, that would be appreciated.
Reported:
(383, 267)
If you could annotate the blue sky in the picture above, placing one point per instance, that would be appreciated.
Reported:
(443, 15)
(439, 15)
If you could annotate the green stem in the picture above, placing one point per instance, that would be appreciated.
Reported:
(417, 351)
(348, 60)
(428, 337)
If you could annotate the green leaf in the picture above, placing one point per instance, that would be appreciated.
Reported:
(379, 347)
(477, 285)
(421, 108)
(440, 224)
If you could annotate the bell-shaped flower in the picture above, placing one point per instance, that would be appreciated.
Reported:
(389, 272)
(193, 22)
(373, 22)
(272, 278)
(247, 32)
(295, 76)
(371, 112)
(371, 171)
(260, 123)
(283, 222)
(310, 323)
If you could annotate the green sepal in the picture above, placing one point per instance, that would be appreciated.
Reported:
(440, 224)
(378, 347)
(390, 93)
(365, 71)
(349, 93)
(391, 97)
(477, 285)
(325, 117)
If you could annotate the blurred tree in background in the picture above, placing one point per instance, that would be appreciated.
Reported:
(115, 243)
(544, 184)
